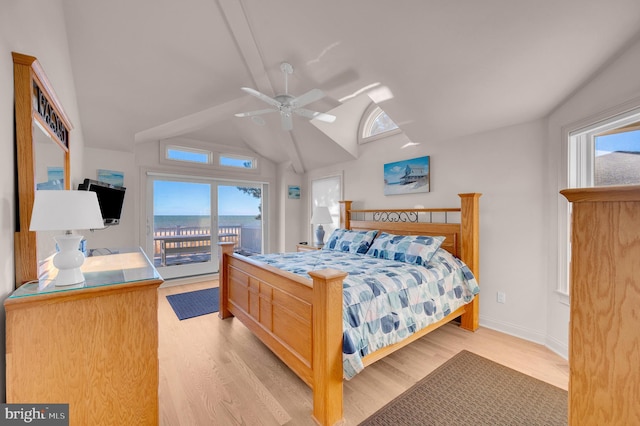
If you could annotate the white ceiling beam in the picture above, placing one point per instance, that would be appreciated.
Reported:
(190, 123)
(236, 19)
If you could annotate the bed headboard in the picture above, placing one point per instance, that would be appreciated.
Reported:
(459, 225)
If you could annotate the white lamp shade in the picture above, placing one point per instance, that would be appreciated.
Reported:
(321, 215)
(65, 211)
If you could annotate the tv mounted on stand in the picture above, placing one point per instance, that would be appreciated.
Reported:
(110, 198)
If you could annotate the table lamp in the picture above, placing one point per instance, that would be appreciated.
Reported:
(66, 211)
(321, 215)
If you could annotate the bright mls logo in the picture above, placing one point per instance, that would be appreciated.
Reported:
(35, 414)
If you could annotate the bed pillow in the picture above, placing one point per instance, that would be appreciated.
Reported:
(414, 249)
(331, 241)
(350, 241)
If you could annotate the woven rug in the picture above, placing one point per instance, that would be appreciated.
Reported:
(194, 303)
(471, 390)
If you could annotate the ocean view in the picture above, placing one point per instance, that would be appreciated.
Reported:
(202, 221)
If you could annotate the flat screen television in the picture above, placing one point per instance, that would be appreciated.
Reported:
(110, 198)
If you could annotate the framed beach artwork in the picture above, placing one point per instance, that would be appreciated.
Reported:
(111, 176)
(407, 176)
(294, 192)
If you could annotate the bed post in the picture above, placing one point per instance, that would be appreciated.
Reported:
(470, 230)
(345, 214)
(327, 346)
(224, 251)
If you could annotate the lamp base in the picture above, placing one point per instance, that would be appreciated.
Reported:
(68, 260)
(319, 236)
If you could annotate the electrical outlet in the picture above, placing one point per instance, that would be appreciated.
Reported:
(501, 297)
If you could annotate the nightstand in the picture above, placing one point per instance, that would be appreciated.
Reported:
(307, 247)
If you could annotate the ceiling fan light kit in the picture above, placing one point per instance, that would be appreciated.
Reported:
(287, 104)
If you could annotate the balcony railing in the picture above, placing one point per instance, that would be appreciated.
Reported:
(186, 244)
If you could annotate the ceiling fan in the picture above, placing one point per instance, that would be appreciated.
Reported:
(287, 104)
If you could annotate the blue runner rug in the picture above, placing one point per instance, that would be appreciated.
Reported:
(194, 303)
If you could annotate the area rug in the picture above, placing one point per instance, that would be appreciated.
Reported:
(471, 390)
(194, 303)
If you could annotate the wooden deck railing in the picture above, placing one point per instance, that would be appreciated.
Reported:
(178, 241)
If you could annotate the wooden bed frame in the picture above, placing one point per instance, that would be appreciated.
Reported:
(300, 319)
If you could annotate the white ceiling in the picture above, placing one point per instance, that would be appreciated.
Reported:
(156, 69)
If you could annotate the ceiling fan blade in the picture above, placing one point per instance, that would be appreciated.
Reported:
(311, 96)
(327, 118)
(257, 112)
(287, 121)
(261, 96)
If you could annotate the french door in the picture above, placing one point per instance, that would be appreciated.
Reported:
(189, 216)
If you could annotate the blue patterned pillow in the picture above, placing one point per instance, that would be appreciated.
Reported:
(350, 241)
(331, 242)
(414, 249)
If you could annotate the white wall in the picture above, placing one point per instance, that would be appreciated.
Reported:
(35, 28)
(291, 212)
(614, 90)
(508, 167)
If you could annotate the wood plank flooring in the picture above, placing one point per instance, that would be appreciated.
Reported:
(215, 372)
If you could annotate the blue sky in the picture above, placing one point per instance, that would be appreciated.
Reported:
(189, 198)
(628, 141)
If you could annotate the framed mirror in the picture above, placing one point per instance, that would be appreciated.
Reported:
(42, 157)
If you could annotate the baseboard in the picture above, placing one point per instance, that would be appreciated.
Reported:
(514, 330)
(558, 347)
(551, 343)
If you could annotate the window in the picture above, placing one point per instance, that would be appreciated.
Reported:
(326, 191)
(193, 155)
(207, 156)
(240, 161)
(617, 157)
(376, 124)
(601, 154)
(607, 153)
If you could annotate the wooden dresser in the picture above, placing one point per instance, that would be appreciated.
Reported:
(94, 347)
(604, 330)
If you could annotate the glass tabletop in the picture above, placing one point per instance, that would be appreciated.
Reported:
(119, 266)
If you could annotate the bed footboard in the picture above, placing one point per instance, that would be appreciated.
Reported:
(299, 319)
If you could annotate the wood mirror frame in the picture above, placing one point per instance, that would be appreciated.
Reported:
(36, 104)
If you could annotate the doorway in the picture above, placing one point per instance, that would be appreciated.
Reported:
(189, 216)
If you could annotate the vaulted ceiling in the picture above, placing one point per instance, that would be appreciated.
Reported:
(148, 70)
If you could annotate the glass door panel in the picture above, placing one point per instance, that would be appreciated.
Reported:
(240, 216)
(182, 223)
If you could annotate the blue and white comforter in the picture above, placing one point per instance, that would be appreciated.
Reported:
(385, 301)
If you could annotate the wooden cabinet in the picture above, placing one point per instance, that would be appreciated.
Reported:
(94, 348)
(604, 330)
(307, 247)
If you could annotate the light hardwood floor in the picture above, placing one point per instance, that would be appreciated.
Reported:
(215, 372)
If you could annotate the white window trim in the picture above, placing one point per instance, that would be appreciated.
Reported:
(175, 147)
(215, 150)
(578, 149)
(314, 199)
(365, 121)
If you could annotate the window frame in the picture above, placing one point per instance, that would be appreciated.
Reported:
(579, 142)
(215, 153)
(327, 191)
(169, 147)
(369, 116)
(242, 157)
